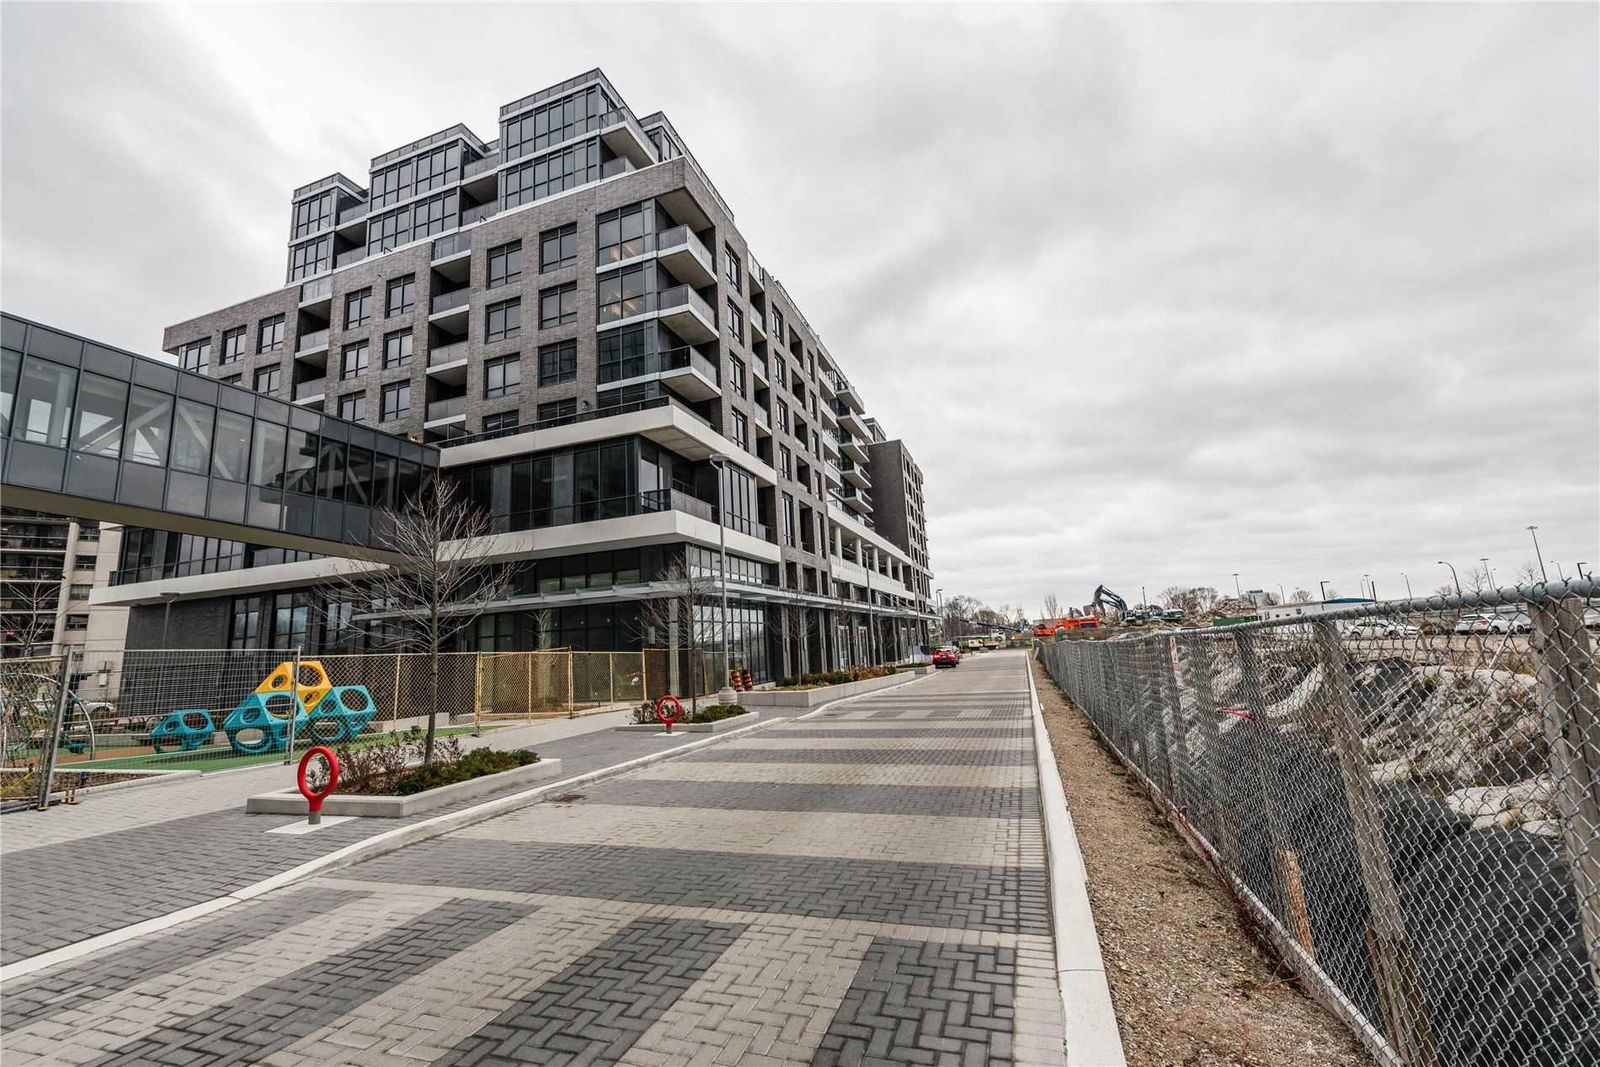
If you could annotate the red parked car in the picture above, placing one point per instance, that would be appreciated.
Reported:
(946, 657)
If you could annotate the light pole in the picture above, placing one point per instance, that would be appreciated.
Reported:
(1407, 577)
(1559, 572)
(938, 606)
(727, 694)
(1323, 585)
(166, 614)
(1368, 587)
(1581, 565)
(1283, 598)
(1487, 572)
(1236, 590)
(1533, 531)
(1454, 576)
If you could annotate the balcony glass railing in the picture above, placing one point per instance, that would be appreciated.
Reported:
(658, 363)
(438, 357)
(605, 412)
(613, 167)
(309, 341)
(310, 387)
(320, 289)
(670, 238)
(448, 408)
(452, 244)
(479, 213)
(456, 298)
(353, 255)
(763, 420)
(480, 166)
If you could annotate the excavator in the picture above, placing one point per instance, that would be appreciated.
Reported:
(1105, 598)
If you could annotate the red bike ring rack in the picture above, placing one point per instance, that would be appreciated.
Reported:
(314, 799)
(677, 710)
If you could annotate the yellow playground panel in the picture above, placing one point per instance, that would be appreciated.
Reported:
(312, 686)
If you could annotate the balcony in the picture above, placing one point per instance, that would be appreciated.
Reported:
(450, 305)
(763, 420)
(830, 443)
(855, 474)
(479, 213)
(454, 244)
(480, 166)
(445, 412)
(852, 421)
(448, 363)
(319, 291)
(832, 474)
(311, 344)
(758, 327)
(848, 394)
(613, 168)
(310, 390)
(345, 258)
(854, 449)
(686, 256)
(683, 370)
(856, 500)
(353, 214)
(679, 307)
(758, 276)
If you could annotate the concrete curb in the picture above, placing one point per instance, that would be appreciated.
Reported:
(367, 848)
(1091, 1035)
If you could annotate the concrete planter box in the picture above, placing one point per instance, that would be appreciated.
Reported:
(811, 698)
(290, 802)
(720, 726)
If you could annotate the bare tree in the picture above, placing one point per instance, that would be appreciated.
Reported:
(1300, 596)
(1528, 573)
(1052, 606)
(30, 618)
(669, 621)
(430, 580)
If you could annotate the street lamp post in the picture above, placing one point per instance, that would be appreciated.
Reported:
(1453, 575)
(1559, 572)
(1367, 587)
(1236, 590)
(727, 694)
(1323, 585)
(166, 614)
(1407, 577)
(1538, 555)
(1488, 572)
(1582, 564)
(1283, 598)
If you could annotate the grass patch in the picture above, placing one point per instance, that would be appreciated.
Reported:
(224, 758)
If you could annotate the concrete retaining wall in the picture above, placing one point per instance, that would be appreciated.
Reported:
(290, 802)
(811, 698)
(720, 726)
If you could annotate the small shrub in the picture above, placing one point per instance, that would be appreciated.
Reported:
(474, 764)
(716, 713)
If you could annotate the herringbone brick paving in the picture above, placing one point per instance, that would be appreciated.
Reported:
(855, 888)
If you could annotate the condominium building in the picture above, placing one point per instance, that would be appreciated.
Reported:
(47, 571)
(570, 314)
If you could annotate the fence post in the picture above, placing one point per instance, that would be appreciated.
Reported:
(1399, 986)
(294, 703)
(394, 714)
(477, 694)
(1569, 693)
(52, 736)
(572, 703)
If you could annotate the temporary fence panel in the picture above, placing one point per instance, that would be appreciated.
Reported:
(1413, 816)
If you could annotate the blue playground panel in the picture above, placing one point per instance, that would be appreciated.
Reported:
(260, 724)
(341, 715)
(185, 730)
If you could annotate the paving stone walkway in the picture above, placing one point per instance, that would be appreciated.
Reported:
(862, 887)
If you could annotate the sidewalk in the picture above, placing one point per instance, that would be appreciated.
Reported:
(128, 855)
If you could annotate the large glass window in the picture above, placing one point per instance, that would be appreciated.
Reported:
(313, 257)
(553, 123)
(313, 215)
(502, 320)
(397, 349)
(558, 247)
(558, 363)
(558, 409)
(269, 334)
(732, 267)
(353, 406)
(102, 402)
(266, 381)
(735, 321)
(624, 232)
(396, 401)
(622, 294)
(149, 426)
(505, 264)
(413, 222)
(196, 355)
(433, 170)
(353, 360)
(502, 376)
(402, 295)
(736, 373)
(191, 437)
(558, 306)
(232, 345)
(551, 174)
(500, 422)
(232, 446)
(358, 308)
(266, 454)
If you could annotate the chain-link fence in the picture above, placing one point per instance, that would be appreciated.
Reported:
(108, 716)
(1411, 814)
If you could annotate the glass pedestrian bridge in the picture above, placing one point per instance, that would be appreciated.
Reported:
(99, 433)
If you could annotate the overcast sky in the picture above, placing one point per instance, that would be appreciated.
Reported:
(1154, 293)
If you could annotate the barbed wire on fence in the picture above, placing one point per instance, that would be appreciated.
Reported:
(1413, 817)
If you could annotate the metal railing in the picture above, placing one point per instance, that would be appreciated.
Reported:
(681, 358)
(678, 296)
(1413, 816)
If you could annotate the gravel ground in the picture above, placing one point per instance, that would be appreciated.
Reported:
(1190, 987)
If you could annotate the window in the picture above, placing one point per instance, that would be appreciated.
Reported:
(232, 379)
(502, 376)
(505, 264)
(403, 225)
(502, 320)
(558, 306)
(788, 520)
(736, 374)
(269, 335)
(434, 170)
(553, 123)
(554, 173)
(624, 232)
(353, 361)
(246, 629)
(622, 294)
(558, 363)
(402, 295)
(741, 431)
(313, 257)
(267, 380)
(396, 401)
(785, 462)
(777, 326)
(79, 592)
(232, 345)
(396, 349)
(313, 215)
(196, 354)
(358, 308)
(558, 409)
(353, 406)
(783, 416)
(500, 422)
(731, 266)
(735, 321)
(558, 247)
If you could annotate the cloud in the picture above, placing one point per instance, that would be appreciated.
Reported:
(1154, 293)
